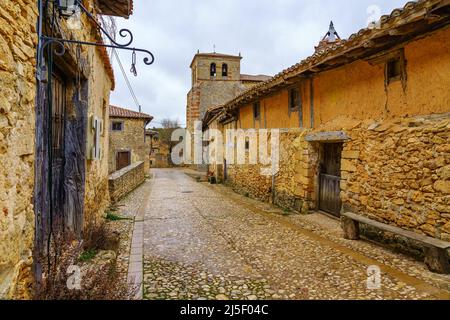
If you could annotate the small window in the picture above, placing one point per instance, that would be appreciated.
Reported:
(117, 126)
(224, 70)
(294, 99)
(257, 111)
(247, 144)
(213, 70)
(394, 70)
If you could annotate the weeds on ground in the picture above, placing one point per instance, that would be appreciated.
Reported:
(73, 273)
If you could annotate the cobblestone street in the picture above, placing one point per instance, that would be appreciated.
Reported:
(206, 242)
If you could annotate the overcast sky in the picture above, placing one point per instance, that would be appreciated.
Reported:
(271, 35)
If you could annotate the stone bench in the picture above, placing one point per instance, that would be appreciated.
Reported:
(437, 256)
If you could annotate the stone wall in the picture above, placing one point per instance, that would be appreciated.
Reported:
(131, 138)
(399, 172)
(124, 181)
(18, 40)
(293, 186)
(394, 171)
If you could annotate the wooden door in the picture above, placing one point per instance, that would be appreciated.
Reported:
(330, 179)
(123, 160)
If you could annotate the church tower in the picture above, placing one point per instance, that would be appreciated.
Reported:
(216, 79)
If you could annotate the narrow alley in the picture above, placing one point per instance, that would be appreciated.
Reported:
(204, 241)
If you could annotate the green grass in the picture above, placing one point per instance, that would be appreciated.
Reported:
(88, 255)
(114, 217)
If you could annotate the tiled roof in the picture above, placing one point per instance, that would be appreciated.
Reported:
(257, 78)
(362, 44)
(211, 113)
(117, 112)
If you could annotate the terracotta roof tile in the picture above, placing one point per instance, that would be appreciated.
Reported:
(118, 112)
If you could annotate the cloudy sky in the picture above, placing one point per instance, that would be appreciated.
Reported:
(271, 35)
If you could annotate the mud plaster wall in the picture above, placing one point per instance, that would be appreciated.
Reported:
(96, 193)
(357, 91)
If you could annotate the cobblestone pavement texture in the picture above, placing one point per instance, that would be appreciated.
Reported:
(206, 242)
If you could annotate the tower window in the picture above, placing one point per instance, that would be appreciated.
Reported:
(213, 70)
(257, 111)
(224, 70)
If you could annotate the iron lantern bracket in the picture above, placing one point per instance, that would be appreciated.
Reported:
(45, 41)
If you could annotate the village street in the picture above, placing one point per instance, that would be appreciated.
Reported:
(206, 242)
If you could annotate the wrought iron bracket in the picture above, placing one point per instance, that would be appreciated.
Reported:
(45, 41)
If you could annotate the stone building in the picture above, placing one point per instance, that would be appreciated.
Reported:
(128, 141)
(216, 79)
(160, 151)
(51, 167)
(364, 125)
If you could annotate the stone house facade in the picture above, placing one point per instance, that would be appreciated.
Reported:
(41, 191)
(160, 151)
(364, 125)
(128, 141)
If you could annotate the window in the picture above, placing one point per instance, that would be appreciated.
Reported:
(213, 70)
(393, 70)
(224, 70)
(294, 99)
(58, 115)
(117, 126)
(257, 111)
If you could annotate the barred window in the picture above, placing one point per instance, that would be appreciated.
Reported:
(117, 126)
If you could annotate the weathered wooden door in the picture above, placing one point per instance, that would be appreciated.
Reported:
(58, 116)
(330, 179)
(123, 160)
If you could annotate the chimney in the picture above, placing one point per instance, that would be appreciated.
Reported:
(330, 38)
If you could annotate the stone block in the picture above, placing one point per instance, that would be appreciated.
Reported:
(348, 165)
(348, 154)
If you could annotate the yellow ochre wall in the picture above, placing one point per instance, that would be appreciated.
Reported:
(357, 91)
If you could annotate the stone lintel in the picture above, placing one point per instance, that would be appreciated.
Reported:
(333, 136)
